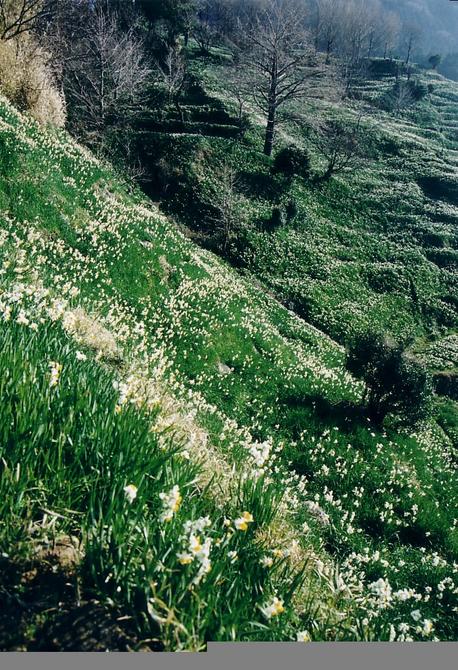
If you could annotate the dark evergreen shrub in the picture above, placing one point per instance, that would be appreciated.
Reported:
(385, 67)
(395, 382)
(291, 211)
(291, 161)
(443, 258)
(418, 90)
(277, 219)
(434, 240)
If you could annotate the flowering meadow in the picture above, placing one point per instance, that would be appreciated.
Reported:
(189, 438)
(375, 246)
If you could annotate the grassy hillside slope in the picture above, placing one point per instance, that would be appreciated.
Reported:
(182, 458)
(377, 245)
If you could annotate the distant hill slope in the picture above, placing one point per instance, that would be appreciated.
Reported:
(374, 247)
(180, 449)
(437, 20)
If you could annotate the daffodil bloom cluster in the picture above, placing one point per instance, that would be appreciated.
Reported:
(130, 492)
(171, 502)
(198, 548)
(273, 608)
(56, 369)
(382, 590)
(243, 521)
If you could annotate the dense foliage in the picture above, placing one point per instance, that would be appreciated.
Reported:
(395, 382)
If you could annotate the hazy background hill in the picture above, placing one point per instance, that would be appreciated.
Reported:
(438, 20)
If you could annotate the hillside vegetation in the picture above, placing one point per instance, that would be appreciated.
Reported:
(184, 456)
(228, 324)
(375, 246)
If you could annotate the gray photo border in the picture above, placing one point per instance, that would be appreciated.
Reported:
(254, 656)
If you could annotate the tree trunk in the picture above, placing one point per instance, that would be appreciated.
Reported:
(272, 110)
(409, 49)
(270, 131)
(371, 45)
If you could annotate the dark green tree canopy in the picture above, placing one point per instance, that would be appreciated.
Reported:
(396, 383)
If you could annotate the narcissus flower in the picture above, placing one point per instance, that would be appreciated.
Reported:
(416, 615)
(243, 521)
(171, 502)
(195, 544)
(184, 558)
(267, 561)
(56, 369)
(274, 608)
(130, 492)
(303, 636)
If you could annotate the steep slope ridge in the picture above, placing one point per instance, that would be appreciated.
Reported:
(195, 440)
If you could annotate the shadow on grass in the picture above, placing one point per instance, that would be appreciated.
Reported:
(260, 185)
(315, 409)
(41, 610)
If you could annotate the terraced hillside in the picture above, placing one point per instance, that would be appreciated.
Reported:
(182, 457)
(374, 246)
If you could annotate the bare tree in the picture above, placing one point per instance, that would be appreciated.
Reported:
(390, 28)
(20, 16)
(329, 25)
(276, 53)
(206, 30)
(340, 143)
(400, 97)
(172, 73)
(412, 37)
(205, 35)
(105, 83)
(238, 83)
(375, 28)
(354, 39)
(228, 218)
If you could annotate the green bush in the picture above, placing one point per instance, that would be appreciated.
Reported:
(292, 161)
(291, 210)
(395, 382)
(277, 219)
